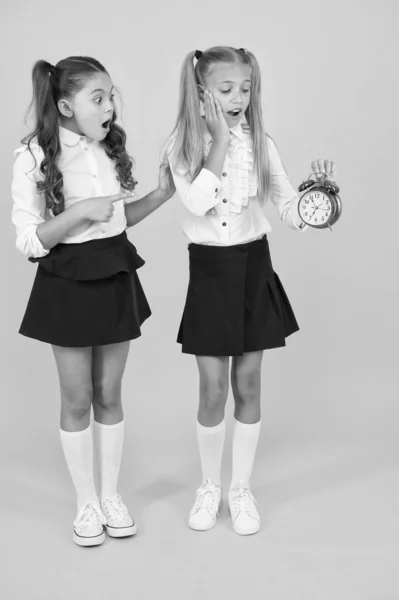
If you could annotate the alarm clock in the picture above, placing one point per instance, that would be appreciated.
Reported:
(320, 206)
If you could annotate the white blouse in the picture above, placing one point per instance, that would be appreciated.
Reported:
(227, 211)
(87, 171)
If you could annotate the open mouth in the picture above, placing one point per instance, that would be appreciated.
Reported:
(106, 124)
(234, 113)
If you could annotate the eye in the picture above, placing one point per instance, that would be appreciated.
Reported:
(225, 91)
(246, 91)
(98, 100)
(112, 97)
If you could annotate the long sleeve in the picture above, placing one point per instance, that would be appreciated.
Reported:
(284, 197)
(29, 207)
(200, 195)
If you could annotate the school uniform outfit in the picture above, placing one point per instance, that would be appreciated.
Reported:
(86, 290)
(235, 302)
(86, 293)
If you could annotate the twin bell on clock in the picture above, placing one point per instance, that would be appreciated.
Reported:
(319, 206)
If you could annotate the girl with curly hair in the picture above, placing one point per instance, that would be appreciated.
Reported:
(71, 187)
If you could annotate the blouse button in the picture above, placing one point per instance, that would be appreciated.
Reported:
(224, 174)
(94, 175)
(216, 190)
(224, 200)
(224, 223)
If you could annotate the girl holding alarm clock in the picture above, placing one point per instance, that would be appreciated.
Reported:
(225, 168)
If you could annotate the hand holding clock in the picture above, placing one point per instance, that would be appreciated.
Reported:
(320, 206)
(326, 167)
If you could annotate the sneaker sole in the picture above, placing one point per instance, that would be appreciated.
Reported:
(194, 528)
(251, 532)
(121, 532)
(88, 542)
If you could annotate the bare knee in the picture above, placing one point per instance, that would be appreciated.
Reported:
(107, 394)
(246, 386)
(213, 393)
(76, 401)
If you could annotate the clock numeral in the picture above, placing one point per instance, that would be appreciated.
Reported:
(317, 195)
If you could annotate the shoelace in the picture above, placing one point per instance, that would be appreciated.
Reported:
(241, 500)
(89, 517)
(206, 496)
(115, 508)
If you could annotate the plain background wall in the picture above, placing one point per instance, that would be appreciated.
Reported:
(330, 90)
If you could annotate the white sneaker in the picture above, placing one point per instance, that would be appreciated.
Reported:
(118, 521)
(89, 526)
(206, 508)
(244, 514)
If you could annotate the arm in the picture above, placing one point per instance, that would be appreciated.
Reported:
(50, 233)
(36, 235)
(140, 209)
(283, 195)
(216, 158)
(201, 195)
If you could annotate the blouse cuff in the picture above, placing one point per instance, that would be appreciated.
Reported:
(205, 191)
(30, 245)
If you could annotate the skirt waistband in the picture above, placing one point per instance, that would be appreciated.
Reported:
(226, 251)
(95, 259)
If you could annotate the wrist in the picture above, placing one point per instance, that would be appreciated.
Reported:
(160, 196)
(222, 142)
(79, 210)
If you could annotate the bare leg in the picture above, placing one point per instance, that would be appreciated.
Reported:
(246, 386)
(214, 387)
(108, 367)
(74, 372)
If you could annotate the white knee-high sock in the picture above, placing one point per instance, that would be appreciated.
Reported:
(211, 443)
(245, 442)
(108, 440)
(78, 452)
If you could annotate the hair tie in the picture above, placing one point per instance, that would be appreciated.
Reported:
(242, 50)
(198, 54)
(51, 70)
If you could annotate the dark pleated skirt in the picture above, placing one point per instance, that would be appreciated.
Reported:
(235, 302)
(87, 294)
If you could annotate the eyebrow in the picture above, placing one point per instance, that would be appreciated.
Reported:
(100, 90)
(245, 81)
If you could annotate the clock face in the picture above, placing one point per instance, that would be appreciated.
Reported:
(315, 208)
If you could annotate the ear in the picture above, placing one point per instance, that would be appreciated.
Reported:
(200, 92)
(65, 108)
